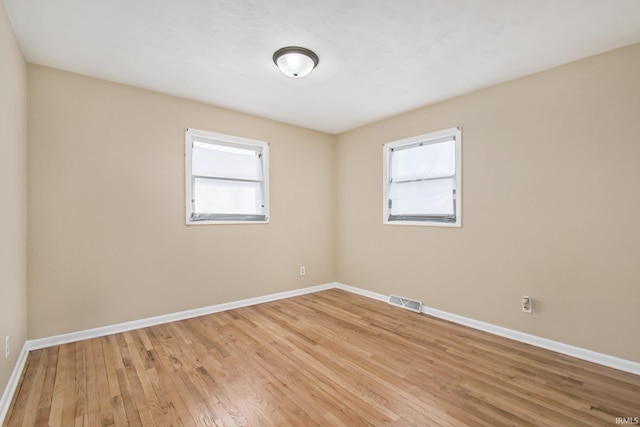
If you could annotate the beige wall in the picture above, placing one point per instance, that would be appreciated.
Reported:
(13, 198)
(108, 242)
(551, 163)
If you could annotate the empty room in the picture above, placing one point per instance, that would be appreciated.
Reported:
(336, 213)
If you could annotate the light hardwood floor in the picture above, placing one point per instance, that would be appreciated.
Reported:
(325, 359)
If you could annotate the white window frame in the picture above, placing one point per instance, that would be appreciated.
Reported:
(193, 135)
(428, 138)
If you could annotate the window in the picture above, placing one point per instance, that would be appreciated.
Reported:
(227, 179)
(422, 178)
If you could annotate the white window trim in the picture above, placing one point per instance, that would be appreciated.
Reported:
(212, 136)
(426, 138)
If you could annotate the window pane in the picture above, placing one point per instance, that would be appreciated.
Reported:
(225, 162)
(433, 197)
(227, 197)
(423, 161)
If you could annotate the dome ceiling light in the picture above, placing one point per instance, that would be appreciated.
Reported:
(295, 62)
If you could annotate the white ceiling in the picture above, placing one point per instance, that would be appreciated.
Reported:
(377, 57)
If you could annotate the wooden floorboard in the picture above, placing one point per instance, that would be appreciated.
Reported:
(330, 358)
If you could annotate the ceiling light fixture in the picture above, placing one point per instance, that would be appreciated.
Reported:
(295, 62)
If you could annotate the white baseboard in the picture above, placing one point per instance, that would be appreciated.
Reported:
(577, 352)
(363, 292)
(158, 320)
(580, 353)
(569, 350)
(558, 347)
(14, 381)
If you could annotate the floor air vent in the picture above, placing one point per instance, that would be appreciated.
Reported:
(409, 304)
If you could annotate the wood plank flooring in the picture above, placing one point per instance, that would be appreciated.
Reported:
(325, 359)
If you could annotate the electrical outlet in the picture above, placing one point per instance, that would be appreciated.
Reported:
(6, 347)
(527, 304)
(303, 271)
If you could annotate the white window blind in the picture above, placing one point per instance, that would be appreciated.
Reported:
(227, 179)
(422, 179)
